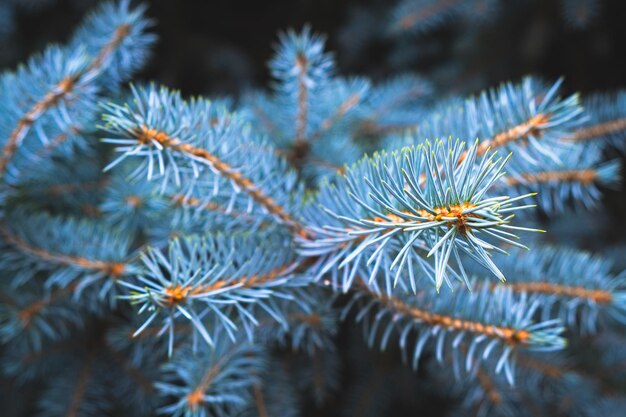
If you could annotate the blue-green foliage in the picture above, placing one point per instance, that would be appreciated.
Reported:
(213, 261)
(217, 379)
(320, 121)
(221, 276)
(605, 110)
(403, 318)
(574, 181)
(409, 206)
(552, 385)
(239, 159)
(601, 293)
(81, 260)
(53, 98)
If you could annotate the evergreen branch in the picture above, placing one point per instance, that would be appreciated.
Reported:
(528, 118)
(510, 336)
(522, 131)
(212, 382)
(36, 316)
(113, 269)
(575, 178)
(196, 397)
(26, 313)
(179, 293)
(116, 62)
(310, 107)
(34, 243)
(235, 278)
(301, 67)
(583, 176)
(517, 133)
(303, 105)
(257, 195)
(54, 97)
(216, 275)
(53, 184)
(597, 131)
(183, 200)
(484, 320)
(605, 120)
(151, 131)
(559, 290)
(59, 92)
(343, 108)
(490, 388)
(572, 285)
(549, 383)
(381, 214)
(148, 136)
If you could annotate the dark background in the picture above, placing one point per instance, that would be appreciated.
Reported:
(222, 46)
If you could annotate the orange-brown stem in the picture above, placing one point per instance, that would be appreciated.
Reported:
(347, 105)
(583, 176)
(313, 319)
(598, 296)
(28, 312)
(519, 132)
(507, 334)
(195, 397)
(113, 269)
(178, 293)
(259, 399)
(146, 135)
(303, 105)
(441, 213)
(544, 368)
(57, 141)
(182, 200)
(58, 93)
(60, 189)
(371, 128)
(488, 386)
(596, 131)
